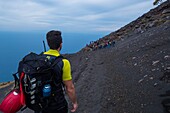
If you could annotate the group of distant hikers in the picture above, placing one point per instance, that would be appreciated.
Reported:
(100, 45)
(42, 81)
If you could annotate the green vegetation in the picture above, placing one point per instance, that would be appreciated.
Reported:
(156, 2)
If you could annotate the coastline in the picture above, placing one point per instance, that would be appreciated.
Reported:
(5, 84)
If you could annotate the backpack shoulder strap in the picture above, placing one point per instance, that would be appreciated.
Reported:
(57, 60)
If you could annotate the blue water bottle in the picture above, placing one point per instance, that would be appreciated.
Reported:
(47, 90)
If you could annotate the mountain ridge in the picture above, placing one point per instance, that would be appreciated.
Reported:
(153, 18)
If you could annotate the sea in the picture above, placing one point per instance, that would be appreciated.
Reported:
(15, 45)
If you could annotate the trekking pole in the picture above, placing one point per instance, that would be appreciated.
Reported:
(44, 46)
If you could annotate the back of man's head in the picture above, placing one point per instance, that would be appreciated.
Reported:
(54, 39)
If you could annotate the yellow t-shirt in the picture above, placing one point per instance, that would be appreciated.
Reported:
(66, 67)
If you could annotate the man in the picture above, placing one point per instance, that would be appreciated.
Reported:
(54, 40)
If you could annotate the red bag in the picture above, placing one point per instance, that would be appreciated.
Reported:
(11, 103)
(14, 100)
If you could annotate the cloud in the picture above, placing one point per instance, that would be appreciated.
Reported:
(23, 14)
(70, 15)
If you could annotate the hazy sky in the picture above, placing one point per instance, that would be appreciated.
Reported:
(70, 15)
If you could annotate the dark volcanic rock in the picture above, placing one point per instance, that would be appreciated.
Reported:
(125, 78)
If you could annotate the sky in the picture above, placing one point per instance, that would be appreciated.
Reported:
(82, 16)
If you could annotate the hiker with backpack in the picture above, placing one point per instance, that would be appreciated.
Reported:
(54, 40)
(60, 105)
(42, 81)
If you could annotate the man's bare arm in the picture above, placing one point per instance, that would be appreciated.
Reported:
(71, 93)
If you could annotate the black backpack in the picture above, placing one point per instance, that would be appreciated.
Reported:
(40, 72)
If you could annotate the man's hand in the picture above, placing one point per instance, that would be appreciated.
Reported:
(75, 106)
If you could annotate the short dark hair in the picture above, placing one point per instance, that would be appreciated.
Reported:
(54, 39)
